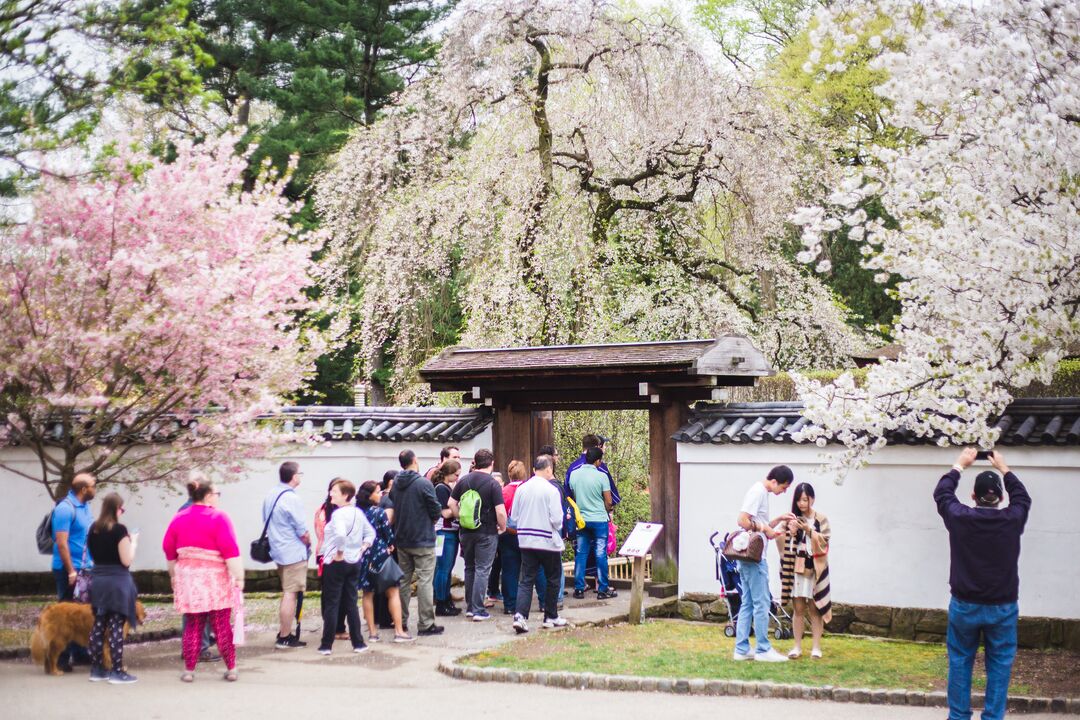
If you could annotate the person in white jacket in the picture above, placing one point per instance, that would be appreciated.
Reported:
(347, 537)
(537, 518)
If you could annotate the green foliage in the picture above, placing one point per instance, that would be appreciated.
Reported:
(302, 74)
(626, 455)
(750, 30)
(61, 61)
(1066, 383)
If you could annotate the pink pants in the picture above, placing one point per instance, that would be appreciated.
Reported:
(192, 641)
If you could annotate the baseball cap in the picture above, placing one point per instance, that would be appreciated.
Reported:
(988, 485)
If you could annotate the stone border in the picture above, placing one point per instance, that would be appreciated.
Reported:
(451, 666)
(134, 638)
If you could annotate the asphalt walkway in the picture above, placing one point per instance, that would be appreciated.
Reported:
(388, 681)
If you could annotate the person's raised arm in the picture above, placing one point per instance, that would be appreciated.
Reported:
(1019, 499)
(945, 492)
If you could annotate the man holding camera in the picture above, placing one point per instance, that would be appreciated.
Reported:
(984, 545)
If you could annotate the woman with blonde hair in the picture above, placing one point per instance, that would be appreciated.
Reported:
(206, 571)
(112, 591)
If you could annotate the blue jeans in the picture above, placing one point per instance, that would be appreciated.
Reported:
(510, 552)
(593, 534)
(74, 652)
(754, 608)
(997, 625)
(444, 565)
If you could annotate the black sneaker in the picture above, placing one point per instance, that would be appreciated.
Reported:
(433, 630)
(289, 642)
(611, 593)
(98, 674)
(579, 594)
(209, 656)
(447, 610)
(121, 677)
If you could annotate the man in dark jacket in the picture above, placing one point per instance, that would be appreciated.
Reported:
(984, 545)
(415, 510)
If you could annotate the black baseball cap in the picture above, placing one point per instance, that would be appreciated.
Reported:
(988, 485)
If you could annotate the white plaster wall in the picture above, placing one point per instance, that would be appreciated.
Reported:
(889, 545)
(25, 502)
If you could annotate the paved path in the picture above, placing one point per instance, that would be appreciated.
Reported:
(391, 681)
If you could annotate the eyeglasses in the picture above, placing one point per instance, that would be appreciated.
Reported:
(120, 511)
(216, 492)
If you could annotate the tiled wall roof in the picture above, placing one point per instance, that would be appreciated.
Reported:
(1034, 421)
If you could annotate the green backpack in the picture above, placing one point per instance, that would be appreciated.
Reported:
(469, 510)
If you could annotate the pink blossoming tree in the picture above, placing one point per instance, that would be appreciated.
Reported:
(148, 316)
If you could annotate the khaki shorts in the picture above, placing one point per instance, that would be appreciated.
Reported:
(293, 577)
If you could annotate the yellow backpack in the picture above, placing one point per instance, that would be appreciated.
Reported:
(579, 522)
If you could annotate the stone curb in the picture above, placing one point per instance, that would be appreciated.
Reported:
(451, 666)
(134, 638)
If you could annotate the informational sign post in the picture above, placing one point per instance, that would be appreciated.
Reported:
(637, 546)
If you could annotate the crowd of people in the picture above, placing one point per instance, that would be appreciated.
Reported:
(382, 538)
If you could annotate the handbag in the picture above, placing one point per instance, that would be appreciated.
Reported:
(260, 549)
(81, 593)
(744, 545)
(388, 575)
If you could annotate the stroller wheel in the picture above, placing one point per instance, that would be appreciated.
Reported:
(779, 633)
(729, 631)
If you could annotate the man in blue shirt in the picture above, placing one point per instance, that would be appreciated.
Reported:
(594, 503)
(587, 442)
(290, 547)
(71, 520)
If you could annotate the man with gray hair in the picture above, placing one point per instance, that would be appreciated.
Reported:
(538, 518)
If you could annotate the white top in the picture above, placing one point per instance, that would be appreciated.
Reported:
(756, 503)
(537, 514)
(348, 531)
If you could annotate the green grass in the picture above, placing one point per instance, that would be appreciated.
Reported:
(691, 650)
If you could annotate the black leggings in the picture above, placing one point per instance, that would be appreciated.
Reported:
(115, 624)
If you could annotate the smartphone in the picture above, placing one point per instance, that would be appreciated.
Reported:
(983, 454)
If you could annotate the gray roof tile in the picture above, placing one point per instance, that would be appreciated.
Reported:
(1028, 421)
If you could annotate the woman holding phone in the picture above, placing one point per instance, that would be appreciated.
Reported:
(804, 569)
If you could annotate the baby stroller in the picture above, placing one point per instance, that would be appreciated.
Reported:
(727, 572)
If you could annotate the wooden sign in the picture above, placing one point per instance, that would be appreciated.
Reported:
(640, 540)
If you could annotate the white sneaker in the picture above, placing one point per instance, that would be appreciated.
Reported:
(770, 656)
(555, 622)
(521, 626)
(738, 656)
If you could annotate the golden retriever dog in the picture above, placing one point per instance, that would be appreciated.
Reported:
(63, 623)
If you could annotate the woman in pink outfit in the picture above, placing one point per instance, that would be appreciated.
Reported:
(206, 571)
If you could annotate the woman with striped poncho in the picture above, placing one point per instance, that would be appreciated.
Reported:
(804, 568)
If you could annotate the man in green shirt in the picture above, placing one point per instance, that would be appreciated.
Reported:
(592, 490)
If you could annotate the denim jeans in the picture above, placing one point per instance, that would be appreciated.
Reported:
(997, 625)
(511, 553)
(478, 548)
(531, 562)
(444, 565)
(74, 652)
(593, 534)
(754, 608)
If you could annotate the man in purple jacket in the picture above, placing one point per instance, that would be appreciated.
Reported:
(984, 545)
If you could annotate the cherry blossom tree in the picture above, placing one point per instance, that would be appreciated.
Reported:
(580, 173)
(148, 316)
(986, 203)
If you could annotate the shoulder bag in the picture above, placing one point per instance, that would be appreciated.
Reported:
(744, 545)
(388, 575)
(260, 549)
